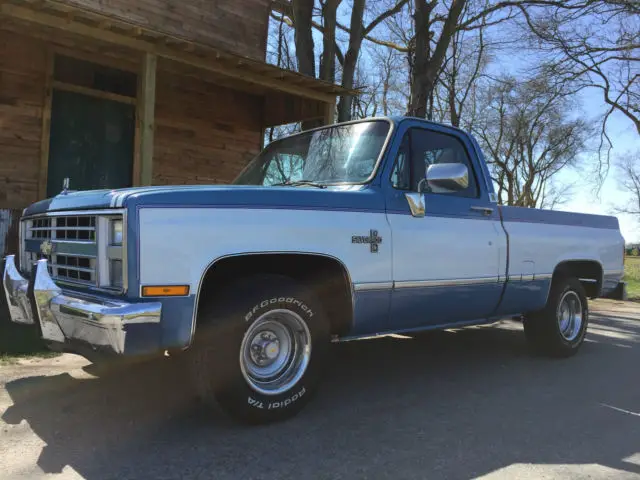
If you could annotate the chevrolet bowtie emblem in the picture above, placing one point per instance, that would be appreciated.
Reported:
(46, 247)
(373, 240)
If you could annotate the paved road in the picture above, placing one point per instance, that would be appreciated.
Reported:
(451, 405)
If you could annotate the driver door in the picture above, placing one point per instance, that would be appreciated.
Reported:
(446, 261)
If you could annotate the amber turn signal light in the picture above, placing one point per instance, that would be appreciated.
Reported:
(165, 291)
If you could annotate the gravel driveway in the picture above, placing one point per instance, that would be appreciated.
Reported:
(452, 405)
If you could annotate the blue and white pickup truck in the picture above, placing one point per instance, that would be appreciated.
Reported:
(352, 230)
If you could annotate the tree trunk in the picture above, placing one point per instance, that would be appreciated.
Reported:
(452, 90)
(302, 16)
(385, 89)
(302, 23)
(425, 68)
(351, 59)
(453, 107)
(419, 94)
(328, 62)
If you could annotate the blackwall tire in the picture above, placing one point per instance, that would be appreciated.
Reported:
(260, 349)
(559, 329)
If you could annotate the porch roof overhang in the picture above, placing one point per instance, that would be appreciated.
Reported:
(264, 76)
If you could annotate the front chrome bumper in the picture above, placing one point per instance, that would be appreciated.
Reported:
(64, 316)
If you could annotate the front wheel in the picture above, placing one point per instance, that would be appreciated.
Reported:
(559, 329)
(260, 349)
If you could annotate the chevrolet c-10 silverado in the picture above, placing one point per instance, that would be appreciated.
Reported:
(353, 230)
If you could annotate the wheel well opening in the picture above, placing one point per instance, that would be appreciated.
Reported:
(327, 277)
(589, 273)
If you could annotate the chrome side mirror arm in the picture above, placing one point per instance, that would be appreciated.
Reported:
(422, 185)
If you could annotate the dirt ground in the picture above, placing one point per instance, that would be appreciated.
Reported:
(456, 404)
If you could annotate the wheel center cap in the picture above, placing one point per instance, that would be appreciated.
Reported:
(272, 350)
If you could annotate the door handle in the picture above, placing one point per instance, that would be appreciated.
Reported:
(484, 210)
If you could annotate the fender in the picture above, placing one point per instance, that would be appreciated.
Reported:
(262, 253)
(580, 257)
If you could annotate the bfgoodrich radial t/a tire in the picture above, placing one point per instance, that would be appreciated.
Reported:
(260, 348)
(559, 329)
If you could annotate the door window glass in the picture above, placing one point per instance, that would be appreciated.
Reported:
(431, 148)
(424, 148)
(401, 175)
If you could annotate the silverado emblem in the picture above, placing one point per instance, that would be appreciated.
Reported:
(46, 247)
(373, 240)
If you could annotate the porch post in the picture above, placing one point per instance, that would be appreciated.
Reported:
(146, 116)
(329, 113)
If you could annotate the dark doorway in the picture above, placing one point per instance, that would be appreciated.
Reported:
(91, 142)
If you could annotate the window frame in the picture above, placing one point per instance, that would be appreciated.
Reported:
(407, 133)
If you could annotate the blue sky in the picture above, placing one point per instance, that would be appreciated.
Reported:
(624, 139)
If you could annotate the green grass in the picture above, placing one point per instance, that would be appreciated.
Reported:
(632, 277)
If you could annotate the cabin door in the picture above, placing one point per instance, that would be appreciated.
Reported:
(92, 133)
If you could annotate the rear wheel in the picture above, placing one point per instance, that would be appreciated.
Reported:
(260, 349)
(559, 329)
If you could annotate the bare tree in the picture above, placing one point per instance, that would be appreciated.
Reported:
(427, 62)
(357, 32)
(465, 63)
(594, 46)
(435, 23)
(367, 103)
(299, 15)
(528, 137)
(597, 47)
(629, 181)
(391, 73)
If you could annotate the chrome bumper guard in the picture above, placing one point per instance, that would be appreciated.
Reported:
(64, 316)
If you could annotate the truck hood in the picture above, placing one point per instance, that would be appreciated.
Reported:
(333, 197)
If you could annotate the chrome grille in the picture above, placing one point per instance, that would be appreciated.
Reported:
(40, 228)
(78, 247)
(64, 234)
(75, 228)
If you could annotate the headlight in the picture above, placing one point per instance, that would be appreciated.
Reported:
(116, 232)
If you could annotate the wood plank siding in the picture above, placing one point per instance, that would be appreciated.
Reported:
(204, 133)
(22, 94)
(237, 26)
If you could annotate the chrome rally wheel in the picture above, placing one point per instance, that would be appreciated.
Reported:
(559, 329)
(275, 352)
(570, 315)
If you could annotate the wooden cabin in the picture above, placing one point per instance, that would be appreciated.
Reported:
(117, 93)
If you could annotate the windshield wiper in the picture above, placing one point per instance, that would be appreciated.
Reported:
(296, 183)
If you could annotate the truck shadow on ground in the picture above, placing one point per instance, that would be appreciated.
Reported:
(450, 404)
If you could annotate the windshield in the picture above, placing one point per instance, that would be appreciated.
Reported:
(341, 154)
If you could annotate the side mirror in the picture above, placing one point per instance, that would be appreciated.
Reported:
(446, 177)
